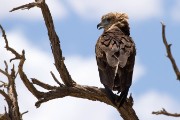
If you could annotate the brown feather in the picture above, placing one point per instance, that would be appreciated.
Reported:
(115, 55)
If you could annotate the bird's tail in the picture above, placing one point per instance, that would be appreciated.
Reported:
(110, 95)
(122, 98)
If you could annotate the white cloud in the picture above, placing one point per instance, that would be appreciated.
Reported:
(139, 70)
(154, 101)
(57, 9)
(175, 11)
(38, 64)
(137, 10)
(91, 10)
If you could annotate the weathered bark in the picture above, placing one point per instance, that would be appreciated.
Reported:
(11, 94)
(169, 54)
(70, 87)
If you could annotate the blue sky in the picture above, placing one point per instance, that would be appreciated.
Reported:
(75, 21)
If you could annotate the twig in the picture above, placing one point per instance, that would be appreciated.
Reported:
(43, 85)
(25, 79)
(56, 80)
(27, 6)
(164, 112)
(169, 54)
(6, 68)
(3, 84)
(11, 95)
(24, 113)
(23, 76)
(4, 72)
(6, 97)
(17, 56)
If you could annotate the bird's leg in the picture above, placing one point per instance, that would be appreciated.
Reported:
(110, 95)
(122, 98)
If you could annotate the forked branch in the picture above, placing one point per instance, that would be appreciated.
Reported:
(54, 40)
(169, 54)
(70, 87)
(10, 94)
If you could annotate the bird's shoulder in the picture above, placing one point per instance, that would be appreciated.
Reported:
(114, 40)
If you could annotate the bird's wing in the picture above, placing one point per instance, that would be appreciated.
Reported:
(115, 55)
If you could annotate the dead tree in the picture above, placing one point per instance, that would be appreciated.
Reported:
(176, 70)
(8, 90)
(69, 87)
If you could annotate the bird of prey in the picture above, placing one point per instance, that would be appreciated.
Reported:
(115, 56)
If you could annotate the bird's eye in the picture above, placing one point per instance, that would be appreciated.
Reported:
(108, 19)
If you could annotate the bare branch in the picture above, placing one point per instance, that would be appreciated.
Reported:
(8, 100)
(55, 46)
(164, 112)
(25, 79)
(23, 76)
(4, 72)
(18, 56)
(90, 93)
(169, 54)
(43, 85)
(56, 80)
(3, 84)
(27, 6)
(6, 68)
(11, 95)
(24, 113)
(86, 92)
(54, 40)
(176, 70)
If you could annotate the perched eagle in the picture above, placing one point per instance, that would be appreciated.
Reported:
(115, 55)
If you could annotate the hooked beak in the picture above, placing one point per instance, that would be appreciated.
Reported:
(100, 26)
(103, 24)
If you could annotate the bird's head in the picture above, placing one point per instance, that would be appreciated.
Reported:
(114, 19)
